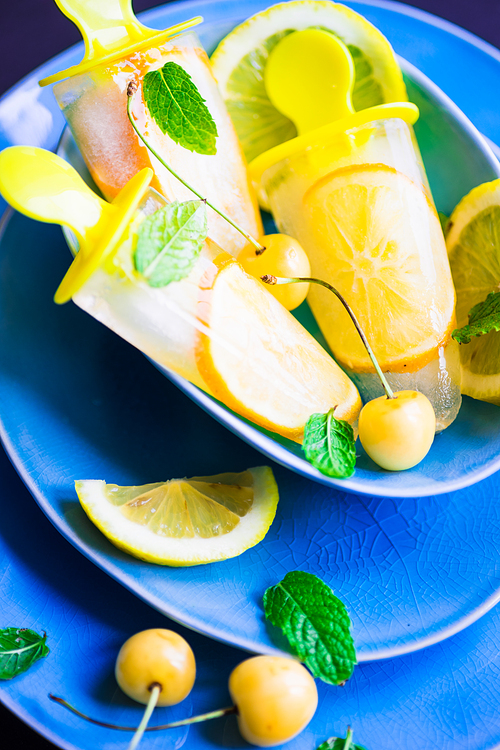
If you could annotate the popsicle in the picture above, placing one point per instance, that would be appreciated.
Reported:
(351, 187)
(215, 326)
(93, 99)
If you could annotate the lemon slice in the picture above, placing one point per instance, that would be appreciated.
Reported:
(473, 243)
(258, 360)
(241, 57)
(184, 521)
(375, 235)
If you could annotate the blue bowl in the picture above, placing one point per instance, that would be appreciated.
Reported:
(457, 158)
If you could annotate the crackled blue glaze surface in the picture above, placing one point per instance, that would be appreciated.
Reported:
(446, 696)
(78, 402)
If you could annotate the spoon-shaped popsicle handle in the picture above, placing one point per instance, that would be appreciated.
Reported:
(105, 24)
(45, 187)
(309, 77)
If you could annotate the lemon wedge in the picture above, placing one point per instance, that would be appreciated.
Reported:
(473, 243)
(259, 361)
(375, 235)
(241, 57)
(184, 521)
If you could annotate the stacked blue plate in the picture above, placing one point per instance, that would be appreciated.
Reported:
(412, 555)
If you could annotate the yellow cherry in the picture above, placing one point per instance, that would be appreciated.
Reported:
(156, 656)
(275, 696)
(283, 256)
(397, 433)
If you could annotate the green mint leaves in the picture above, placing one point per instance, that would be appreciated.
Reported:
(483, 318)
(329, 445)
(169, 242)
(19, 649)
(339, 743)
(315, 623)
(178, 108)
(443, 220)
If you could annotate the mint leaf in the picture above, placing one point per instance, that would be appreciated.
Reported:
(169, 242)
(443, 220)
(483, 318)
(178, 108)
(329, 445)
(19, 649)
(338, 743)
(315, 623)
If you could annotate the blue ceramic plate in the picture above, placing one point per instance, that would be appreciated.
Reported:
(446, 696)
(457, 158)
(78, 402)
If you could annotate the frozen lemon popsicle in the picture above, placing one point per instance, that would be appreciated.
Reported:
(351, 188)
(93, 99)
(145, 269)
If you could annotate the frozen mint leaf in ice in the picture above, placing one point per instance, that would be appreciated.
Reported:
(178, 108)
(169, 242)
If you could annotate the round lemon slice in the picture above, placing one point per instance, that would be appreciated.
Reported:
(184, 521)
(259, 361)
(241, 57)
(375, 235)
(473, 243)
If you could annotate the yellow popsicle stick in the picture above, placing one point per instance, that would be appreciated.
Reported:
(45, 187)
(110, 30)
(309, 77)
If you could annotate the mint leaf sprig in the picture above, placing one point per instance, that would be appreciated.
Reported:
(19, 649)
(340, 743)
(131, 90)
(315, 623)
(483, 318)
(328, 445)
(178, 108)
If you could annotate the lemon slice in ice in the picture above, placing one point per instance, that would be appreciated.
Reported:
(241, 57)
(375, 235)
(257, 359)
(473, 243)
(184, 521)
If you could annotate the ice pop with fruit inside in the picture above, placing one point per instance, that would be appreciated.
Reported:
(147, 270)
(93, 99)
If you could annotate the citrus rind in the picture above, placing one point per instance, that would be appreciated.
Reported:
(141, 542)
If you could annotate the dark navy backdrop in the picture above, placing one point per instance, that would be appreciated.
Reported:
(32, 31)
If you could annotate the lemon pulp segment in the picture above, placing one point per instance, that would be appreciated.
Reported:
(375, 235)
(241, 57)
(473, 243)
(258, 360)
(184, 521)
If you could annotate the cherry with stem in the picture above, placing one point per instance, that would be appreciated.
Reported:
(272, 280)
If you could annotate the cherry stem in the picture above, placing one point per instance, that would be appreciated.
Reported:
(172, 725)
(269, 279)
(131, 89)
(155, 690)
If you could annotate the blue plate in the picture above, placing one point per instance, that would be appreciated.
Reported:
(78, 402)
(457, 159)
(446, 697)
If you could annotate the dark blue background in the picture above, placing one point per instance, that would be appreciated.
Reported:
(32, 31)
